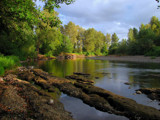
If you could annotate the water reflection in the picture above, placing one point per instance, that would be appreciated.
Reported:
(81, 111)
(112, 76)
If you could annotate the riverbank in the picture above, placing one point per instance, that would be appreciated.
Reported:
(21, 100)
(142, 59)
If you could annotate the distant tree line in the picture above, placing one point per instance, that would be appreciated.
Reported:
(145, 41)
(26, 31)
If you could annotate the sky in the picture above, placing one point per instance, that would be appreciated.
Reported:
(109, 16)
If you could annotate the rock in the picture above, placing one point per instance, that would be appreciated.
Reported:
(22, 69)
(27, 75)
(51, 102)
(78, 73)
(80, 79)
(152, 93)
(1, 79)
(127, 83)
(97, 77)
(51, 89)
(10, 77)
(30, 67)
(11, 101)
(138, 92)
(134, 93)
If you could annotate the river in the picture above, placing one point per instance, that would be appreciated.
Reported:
(109, 75)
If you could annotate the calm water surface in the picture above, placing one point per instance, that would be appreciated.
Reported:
(111, 76)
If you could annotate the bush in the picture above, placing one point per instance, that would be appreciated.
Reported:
(8, 62)
(89, 54)
(154, 52)
(1, 70)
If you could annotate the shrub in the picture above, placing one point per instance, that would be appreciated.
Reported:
(8, 62)
(1, 70)
(154, 52)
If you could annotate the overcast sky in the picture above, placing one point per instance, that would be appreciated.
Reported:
(109, 16)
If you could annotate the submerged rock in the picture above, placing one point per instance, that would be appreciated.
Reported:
(152, 93)
(138, 92)
(80, 79)
(78, 73)
(128, 83)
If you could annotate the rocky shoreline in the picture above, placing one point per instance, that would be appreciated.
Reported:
(20, 99)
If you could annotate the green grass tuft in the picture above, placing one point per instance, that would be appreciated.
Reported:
(8, 62)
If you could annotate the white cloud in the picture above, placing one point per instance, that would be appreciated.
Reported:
(109, 16)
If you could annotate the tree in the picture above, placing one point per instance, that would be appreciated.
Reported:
(17, 20)
(122, 47)
(80, 39)
(67, 46)
(48, 25)
(131, 35)
(145, 41)
(114, 45)
(71, 31)
(108, 40)
(51, 4)
(89, 42)
(115, 38)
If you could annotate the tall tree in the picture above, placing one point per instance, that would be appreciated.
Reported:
(89, 42)
(80, 39)
(115, 38)
(71, 31)
(114, 45)
(47, 31)
(108, 40)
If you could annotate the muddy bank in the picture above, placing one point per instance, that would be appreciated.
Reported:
(127, 58)
(20, 100)
(94, 96)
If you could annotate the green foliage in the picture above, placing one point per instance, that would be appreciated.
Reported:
(51, 4)
(108, 40)
(71, 30)
(143, 42)
(89, 42)
(104, 50)
(8, 62)
(154, 52)
(114, 38)
(1, 70)
(113, 48)
(122, 47)
(89, 53)
(114, 45)
(67, 46)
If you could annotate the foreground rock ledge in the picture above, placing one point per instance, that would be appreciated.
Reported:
(152, 93)
(99, 98)
(20, 100)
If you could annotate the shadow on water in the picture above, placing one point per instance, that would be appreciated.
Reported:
(109, 75)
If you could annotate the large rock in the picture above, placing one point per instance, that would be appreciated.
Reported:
(10, 101)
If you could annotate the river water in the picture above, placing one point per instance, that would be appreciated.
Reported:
(109, 75)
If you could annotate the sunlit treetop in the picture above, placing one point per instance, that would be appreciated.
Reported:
(51, 4)
(158, 5)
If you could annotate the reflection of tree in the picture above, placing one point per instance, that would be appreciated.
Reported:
(67, 67)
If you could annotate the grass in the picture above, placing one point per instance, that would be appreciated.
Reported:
(8, 62)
